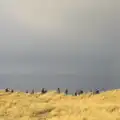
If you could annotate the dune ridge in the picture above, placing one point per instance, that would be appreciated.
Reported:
(53, 106)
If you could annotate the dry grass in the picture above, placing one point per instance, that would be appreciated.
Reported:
(53, 106)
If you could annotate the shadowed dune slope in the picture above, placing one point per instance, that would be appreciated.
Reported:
(53, 106)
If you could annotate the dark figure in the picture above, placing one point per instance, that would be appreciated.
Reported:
(58, 90)
(66, 91)
(80, 92)
(75, 93)
(43, 91)
(12, 91)
(32, 91)
(96, 91)
(6, 90)
(26, 91)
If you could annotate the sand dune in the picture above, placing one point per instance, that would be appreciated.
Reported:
(53, 106)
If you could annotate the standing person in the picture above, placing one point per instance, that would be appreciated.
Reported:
(7, 90)
(97, 91)
(66, 91)
(42, 90)
(58, 90)
(80, 92)
(76, 93)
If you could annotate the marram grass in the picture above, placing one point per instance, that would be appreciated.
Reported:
(53, 106)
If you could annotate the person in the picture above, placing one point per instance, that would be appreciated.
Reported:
(58, 90)
(66, 91)
(6, 90)
(80, 92)
(76, 93)
(43, 91)
(97, 91)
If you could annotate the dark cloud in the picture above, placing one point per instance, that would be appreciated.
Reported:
(67, 44)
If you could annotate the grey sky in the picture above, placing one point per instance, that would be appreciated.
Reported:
(69, 43)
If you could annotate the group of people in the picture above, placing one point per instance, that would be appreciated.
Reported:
(79, 92)
(9, 90)
(43, 91)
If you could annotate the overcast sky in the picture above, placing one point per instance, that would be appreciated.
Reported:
(67, 43)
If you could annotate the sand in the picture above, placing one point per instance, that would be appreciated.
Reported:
(53, 106)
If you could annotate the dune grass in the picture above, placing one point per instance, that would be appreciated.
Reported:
(53, 106)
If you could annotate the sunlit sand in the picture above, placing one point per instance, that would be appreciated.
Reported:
(53, 106)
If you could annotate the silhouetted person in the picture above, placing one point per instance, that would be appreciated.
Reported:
(66, 91)
(96, 91)
(76, 93)
(32, 91)
(43, 91)
(58, 90)
(6, 90)
(80, 92)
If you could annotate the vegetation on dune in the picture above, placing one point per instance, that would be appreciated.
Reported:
(54, 106)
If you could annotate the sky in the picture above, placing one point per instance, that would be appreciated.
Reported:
(59, 43)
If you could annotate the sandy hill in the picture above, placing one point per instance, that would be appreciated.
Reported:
(53, 106)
